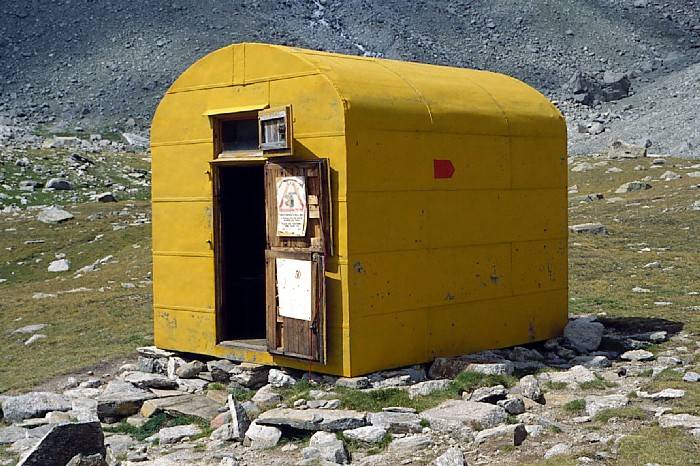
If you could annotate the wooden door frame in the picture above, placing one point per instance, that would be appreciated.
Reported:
(216, 240)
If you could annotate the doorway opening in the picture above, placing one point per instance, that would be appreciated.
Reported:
(239, 251)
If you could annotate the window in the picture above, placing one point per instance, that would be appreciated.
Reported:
(276, 131)
(238, 135)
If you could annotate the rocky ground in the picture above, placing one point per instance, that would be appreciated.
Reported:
(619, 388)
(96, 64)
(595, 396)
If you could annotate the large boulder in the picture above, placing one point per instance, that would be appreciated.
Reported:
(34, 404)
(313, 419)
(584, 334)
(261, 437)
(327, 447)
(121, 399)
(54, 214)
(470, 413)
(623, 150)
(397, 423)
(65, 441)
(452, 457)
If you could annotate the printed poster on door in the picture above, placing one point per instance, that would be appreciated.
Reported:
(294, 288)
(291, 206)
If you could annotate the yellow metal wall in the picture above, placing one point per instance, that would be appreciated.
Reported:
(443, 267)
(182, 146)
(425, 267)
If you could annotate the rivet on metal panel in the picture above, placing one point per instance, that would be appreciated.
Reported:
(358, 267)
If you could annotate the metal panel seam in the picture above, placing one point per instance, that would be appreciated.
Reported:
(453, 303)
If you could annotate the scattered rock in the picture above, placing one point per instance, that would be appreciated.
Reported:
(633, 186)
(183, 404)
(353, 382)
(452, 457)
(498, 437)
(410, 443)
(190, 370)
(591, 228)
(558, 450)
(488, 394)
(175, 434)
(65, 441)
(148, 380)
(278, 378)
(59, 265)
(261, 437)
(121, 399)
(596, 404)
(105, 197)
(366, 434)
(513, 406)
(239, 419)
(665, 394)
(396, 422)
(685, 421)
(529, 387)
(313, 419)
(59, 184)
(54, 214)
(32, 405)
(469, 413)
(622, 150)
(266, 397)
(670, 176)
(637, 355)
(691, 377)
(584, 334)
(326, 446)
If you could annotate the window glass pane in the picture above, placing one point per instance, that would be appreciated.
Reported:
(239, 135)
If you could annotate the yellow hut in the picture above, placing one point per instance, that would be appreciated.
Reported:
(346, 214)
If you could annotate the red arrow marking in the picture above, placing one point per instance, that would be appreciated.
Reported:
(443, 169)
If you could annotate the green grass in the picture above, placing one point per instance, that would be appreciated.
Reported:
(372, 448)
(157, 422)
(216, 386)
(298, 391)
(575, 406)
(604, 269)
(670, 447)
(627, 413)
(690, 403)
(469, 381)
(597, 384)
(375, 400)
(241, 394)
(549, 385)
(107, 321)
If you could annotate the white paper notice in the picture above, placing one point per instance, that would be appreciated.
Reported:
(294, 288)
(291, 206)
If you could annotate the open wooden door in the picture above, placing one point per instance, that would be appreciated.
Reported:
(297, 203)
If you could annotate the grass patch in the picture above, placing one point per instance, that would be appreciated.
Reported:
(298, 391)
(375, 400)
(549, 385)
(241, 394)
(469, 381)
(74, 324)
(598, 384)
(670, 447)
(668, 378)
(157, 422)
(575, 406)
(216, 386)
(372, 448)
(626, 413)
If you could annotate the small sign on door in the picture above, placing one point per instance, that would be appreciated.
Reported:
(294, 288)
(291, 206)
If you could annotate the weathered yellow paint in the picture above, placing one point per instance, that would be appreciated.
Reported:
(424, 267)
